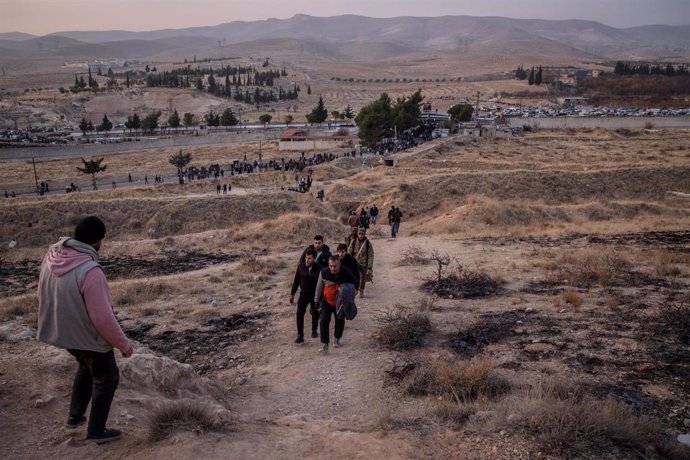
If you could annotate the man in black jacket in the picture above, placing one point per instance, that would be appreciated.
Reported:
(323, 252)
(349, 262)
(306, 276)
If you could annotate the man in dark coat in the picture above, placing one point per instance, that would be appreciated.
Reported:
(349, 262)
(306, 276)
(323, 252)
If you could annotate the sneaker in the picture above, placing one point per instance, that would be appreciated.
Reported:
(108, 435)
(314, 334)
(73, 422)
(338, 343)
(299, 339)
(324, 348)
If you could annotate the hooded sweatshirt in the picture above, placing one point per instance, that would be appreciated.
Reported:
(75, 310)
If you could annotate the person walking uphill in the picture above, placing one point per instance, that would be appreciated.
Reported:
(330, 280)
(323, 252)
(75, 313)
(306, 276)
(362, 250)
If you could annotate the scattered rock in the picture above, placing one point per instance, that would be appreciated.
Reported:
(684, 439)
(42, 402)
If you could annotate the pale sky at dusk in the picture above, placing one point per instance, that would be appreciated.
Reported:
(41, 17)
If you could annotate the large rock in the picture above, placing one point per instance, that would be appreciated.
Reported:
(146, 371)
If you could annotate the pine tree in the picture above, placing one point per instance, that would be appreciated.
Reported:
(308, 89)
(530, 80)
(319, 114)
(127, 75)
(174, 120)
(538, 77)
(106, 125)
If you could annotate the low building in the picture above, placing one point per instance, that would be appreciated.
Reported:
(301, 140)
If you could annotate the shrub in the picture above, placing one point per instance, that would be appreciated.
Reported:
(181, 416)
(414, 255)
(461, 381)
(566, 421)
(464, 283)
(589, 268)
(401, 329)
(569, 297)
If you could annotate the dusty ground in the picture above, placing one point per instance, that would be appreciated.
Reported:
(593, 253)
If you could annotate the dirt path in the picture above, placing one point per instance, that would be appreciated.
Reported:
(328, 404)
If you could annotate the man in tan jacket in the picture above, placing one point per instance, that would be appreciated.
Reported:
(361, 249)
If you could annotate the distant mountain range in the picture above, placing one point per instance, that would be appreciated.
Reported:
(400, 35)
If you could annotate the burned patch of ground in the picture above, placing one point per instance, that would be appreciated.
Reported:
(21, 277)
(205, 347)
(491, 328)
(465, 283)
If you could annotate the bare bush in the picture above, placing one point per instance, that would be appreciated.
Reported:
(675, 318)
(414, 255)
(181, 416)
(464, 283)
(401, 329)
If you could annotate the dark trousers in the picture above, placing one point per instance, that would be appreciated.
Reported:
(96, 381)
(325, 323)
(304, 300)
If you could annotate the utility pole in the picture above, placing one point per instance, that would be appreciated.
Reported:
(33, 162)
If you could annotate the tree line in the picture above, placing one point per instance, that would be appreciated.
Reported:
(632, 68)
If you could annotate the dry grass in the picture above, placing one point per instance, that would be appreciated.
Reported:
(461, 381)
(588, 268)
(401, 329)
(25, 306)
(569, 297)
(131, 293)
(669, 264)
(182, 416)
(566, 421)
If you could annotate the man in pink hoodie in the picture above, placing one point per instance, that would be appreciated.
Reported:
(75, 313)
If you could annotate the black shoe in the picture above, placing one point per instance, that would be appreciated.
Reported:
(314, 334)
(108, 435)
(299, 339)
(73, 422)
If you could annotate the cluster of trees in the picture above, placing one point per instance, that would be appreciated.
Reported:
(631, 68)
(382, 118)
(238, 76)
(461, 112)
(226, 118)
(534, 77)
(393, 80)
(659, 87)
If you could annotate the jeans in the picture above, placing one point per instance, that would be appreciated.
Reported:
(394, 229)
(325, 322)
(96, 381)
(303, 301)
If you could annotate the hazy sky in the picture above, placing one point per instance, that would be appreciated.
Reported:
(45, 16)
